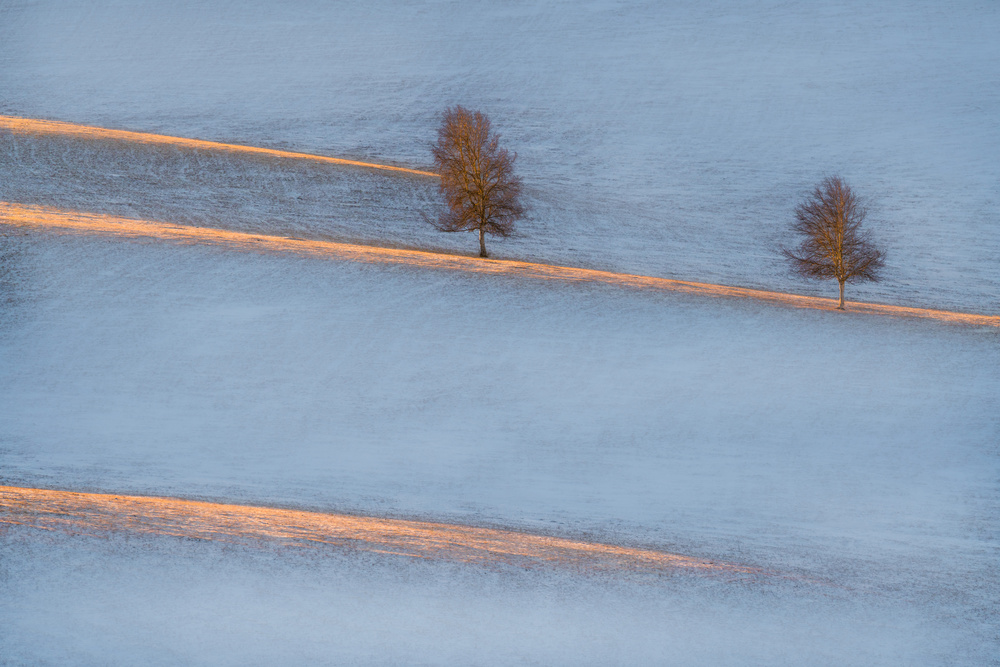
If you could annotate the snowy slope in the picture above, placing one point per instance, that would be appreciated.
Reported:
(669, 139)
(123, 601)
(665, 138)
(855, 450)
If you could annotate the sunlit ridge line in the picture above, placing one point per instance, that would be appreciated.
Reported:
(54, 219)
(37, 126)
(100, 513)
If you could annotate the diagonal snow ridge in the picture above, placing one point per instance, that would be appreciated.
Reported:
(37, 126)
(101, 513)
(44, 218)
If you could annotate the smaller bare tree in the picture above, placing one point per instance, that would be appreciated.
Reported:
(477, 177)
(834, 244)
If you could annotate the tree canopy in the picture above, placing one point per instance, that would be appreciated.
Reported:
(835, 246)
(478, 183)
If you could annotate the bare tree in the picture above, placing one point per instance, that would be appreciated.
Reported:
(477, 177)
(834, 244)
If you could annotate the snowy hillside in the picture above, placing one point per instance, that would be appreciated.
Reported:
(858, 452)
(853, 458)
(669, 139)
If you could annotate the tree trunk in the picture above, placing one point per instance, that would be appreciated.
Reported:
(482, 242)
(841, 306)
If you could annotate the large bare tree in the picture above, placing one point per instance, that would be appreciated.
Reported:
(835, 246)
(477, 177)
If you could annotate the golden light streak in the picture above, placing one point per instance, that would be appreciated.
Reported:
(98, 514)
(57, 220)
(35, 126)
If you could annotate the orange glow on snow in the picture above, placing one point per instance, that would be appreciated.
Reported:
(97, 514)
(49, 219)
(33, 126)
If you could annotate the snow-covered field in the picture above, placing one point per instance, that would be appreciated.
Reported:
(860, 452)
(665, 138)
(857, 455)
